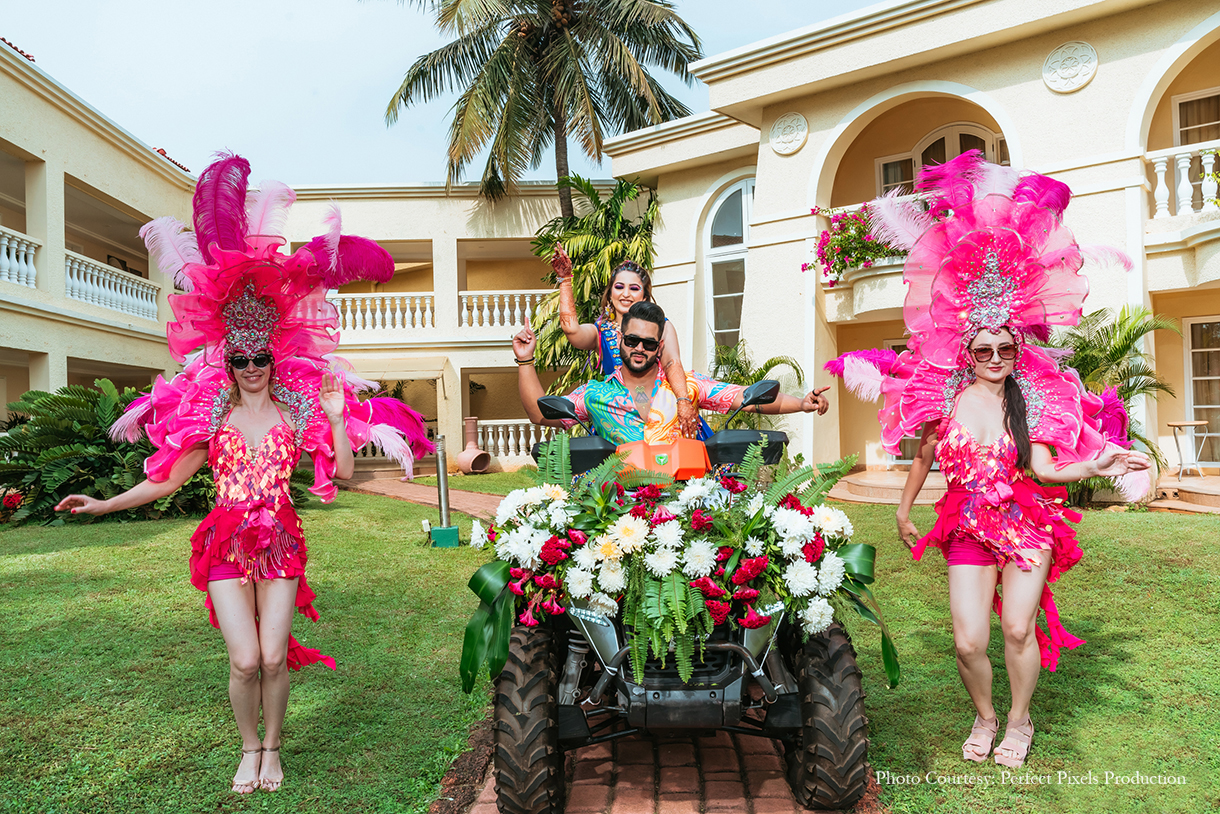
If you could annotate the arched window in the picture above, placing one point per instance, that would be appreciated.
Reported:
(937, 147)
(727, 234)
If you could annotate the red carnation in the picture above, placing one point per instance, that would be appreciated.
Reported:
(749, 569)
(650, 492)
(700, 521)
(734, 485)
(720, 571)
(709, 588)
(813, 549)
(577, 536)
(553, 552)
(745, 594)
(724, 552)
(639, 510)
(790, 501)
(753, 619)
(718, 610)
(12, 500)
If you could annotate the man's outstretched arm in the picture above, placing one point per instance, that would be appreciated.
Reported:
(813, 402)
(525, 344)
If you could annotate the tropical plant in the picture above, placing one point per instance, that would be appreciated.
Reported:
(1107, 351)
(733, 364)
(607, 233)
(531, 72)
(63, 448)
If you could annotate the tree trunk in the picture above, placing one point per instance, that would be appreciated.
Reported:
(561, 164)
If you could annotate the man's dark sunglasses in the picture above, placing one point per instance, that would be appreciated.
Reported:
(631, 341)
(242, 362)
(1007, 353)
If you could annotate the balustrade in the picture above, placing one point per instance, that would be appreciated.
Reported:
(1184, 176)
(499, 309)
(513, 438)
(89, 281)
(17, 258)
(382, 312)
(371, 451)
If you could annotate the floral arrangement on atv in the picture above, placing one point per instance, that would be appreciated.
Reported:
(671, 561)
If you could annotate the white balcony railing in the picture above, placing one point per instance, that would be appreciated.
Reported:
(89, 281)
(499, 309)
(384, 312)
(513, 438)
(17, 258)
(1182, 177)
(371, 452)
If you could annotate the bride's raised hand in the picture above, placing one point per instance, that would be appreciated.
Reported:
(561, 263)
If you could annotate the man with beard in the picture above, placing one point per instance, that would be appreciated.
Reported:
(635, 403)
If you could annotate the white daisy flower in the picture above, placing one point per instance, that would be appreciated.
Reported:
(579, 582)
(699, 560)
(831, 574)
(478, 535)
(611, 577)
(754, 546)
(604, 548)
(629, 533)
(662, 561)
(603, 604)
(817, 616)
(755, 503)
(801, 578)
(583, 557)
(668, 535)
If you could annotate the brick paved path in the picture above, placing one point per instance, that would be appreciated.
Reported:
(724, 774)
(474, 504)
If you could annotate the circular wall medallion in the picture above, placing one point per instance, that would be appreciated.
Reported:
(1070, 67)
(788, 134)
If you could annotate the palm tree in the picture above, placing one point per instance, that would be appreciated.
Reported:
(733, 364)
(531, 73)
(605, 235)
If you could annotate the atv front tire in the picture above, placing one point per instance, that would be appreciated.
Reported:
(528, 760)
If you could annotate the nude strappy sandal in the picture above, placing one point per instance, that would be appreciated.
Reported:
(267, 784)
(1013, 750)
(247, 786)
(982, 735)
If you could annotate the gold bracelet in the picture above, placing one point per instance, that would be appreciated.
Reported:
(528, 361)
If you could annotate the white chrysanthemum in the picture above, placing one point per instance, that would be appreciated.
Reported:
(756, 503)
(793, 547)
(696, 491)
(790, 523)
(629, 533)
(830, 575)
(525, 545)
(603, 604)
(829, 521)
(508, 507)
(604, 548)
(555, 492)
(579, 582)
(718, 498)
(662, 561)
(478, 535)
(754, 546)
(560, 516)
(699, 559)
(845, 526)
(583, 557)
(668, 535)
(801, 578)
(611, 577)
(817, 616)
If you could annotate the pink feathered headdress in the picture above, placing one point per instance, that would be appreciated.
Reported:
(243, 296)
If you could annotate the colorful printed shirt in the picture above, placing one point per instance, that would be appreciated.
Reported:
(611, 408)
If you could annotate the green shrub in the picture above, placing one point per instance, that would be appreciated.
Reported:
(62, 448)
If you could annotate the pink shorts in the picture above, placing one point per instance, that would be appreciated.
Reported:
(966, 549)
(224, 570)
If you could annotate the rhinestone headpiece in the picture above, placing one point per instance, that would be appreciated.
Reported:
(991, 295)
(249, 322)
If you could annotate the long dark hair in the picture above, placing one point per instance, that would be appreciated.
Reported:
(636, 269)
(1016, 421)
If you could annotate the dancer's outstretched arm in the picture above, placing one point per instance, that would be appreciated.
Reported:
(920, 467)
(1110, 465)
(145, 491)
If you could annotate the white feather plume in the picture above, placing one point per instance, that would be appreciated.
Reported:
(995, 179)
(171, 246)
(267, 208)
(129, 426)
(898, 223)
(862, 378)
(338, 364)
(1106, 256)
(394, 446)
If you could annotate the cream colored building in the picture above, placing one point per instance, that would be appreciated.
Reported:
(1120, 99)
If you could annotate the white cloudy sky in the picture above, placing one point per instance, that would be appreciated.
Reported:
(300, 86)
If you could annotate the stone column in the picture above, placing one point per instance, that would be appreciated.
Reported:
(445, 284)
(44, 221)
(48, 371)
(449, 410)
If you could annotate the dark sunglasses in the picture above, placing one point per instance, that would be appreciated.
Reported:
(631, 341)
(1007, 353)
(242, 362)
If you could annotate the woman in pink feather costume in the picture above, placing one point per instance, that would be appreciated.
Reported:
(990, 265)
(260, 386)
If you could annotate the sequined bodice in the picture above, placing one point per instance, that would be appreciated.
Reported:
(966, 463)
(253, 477)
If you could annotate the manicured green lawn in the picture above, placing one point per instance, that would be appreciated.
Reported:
(112, 684)
(493, 483)
(1140, 696)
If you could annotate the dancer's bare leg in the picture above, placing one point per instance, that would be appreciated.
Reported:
(276, 605)
(1022, 592)
(971, 588)
(234, 606)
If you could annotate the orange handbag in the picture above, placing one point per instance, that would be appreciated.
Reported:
(684, 459)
